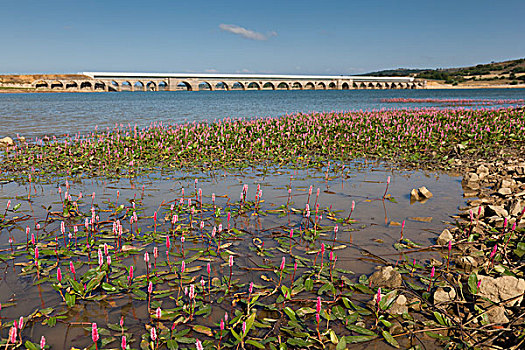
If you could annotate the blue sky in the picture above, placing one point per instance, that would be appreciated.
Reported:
(309, 37)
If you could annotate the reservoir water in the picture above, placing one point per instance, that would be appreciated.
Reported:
(32, 115)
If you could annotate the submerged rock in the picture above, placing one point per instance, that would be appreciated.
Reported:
(424, 192)
(387, 277)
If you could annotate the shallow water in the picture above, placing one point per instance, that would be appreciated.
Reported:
(32, 115)
(376, 230)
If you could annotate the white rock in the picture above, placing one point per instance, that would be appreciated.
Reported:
(502, 288)
(445, 237)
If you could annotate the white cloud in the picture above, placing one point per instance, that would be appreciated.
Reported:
(246, 33)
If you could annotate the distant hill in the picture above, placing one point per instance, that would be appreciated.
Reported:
(507, 72)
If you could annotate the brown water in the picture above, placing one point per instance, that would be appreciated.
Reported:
(376, 230)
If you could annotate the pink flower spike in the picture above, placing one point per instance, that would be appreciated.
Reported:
(244, 327)
(432, 272)
(378, 299)
(222, 324)
(208, 268)
(198, 345)
(123, 343)
(230, 262)
(59, 275)
(146, 257)
(182, 267)
(449, 246)
(21, 322)
(121, 321)
(168, 242)
(94, 332)
(318, 306)
(291, 233)
(158, 313)
(153, 333)
(42, 342)
(12, 335)
(283, 261)
(71, 267)
(250, 290)
(494, 251)
(150, 287)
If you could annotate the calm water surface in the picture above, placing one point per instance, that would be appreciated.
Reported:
(33, 115)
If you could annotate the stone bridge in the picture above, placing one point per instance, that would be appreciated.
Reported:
(106, 81)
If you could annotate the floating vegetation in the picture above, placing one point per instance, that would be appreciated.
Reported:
(422, 136)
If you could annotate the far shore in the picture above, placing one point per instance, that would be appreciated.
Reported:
(430, 86)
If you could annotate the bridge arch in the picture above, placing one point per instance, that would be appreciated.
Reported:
(184, 86)
(205, 86)
(345, 86)
(113, 86)
(99, 85)
(254, 86)
(268, 86)
(332, 86)
(126, 86)
(221, 85)
(309, 86)
(321, 86)
(139, 86)
(283, 86)
(41, 84)
(238, 86)
(71, 85)
(86, 85)
(151, 86)
(57, 84)
(162, 86)
(297, 86)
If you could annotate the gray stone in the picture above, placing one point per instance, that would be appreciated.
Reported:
(505, 191)
(444, 295)
(414, 195)
(473, 177)
(506, 183)
(516, 207)
(445, 237)
(497, 210)
(424, 192)
(497, 315)
(473, 185)
(502, 288)
(482, 171)
(387, 277)
(467, 263)
(399, 306)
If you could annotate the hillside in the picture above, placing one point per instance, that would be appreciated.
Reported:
(29, 78)
(510, 72)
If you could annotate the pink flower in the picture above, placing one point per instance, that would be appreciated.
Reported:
(155, 252)
(12, 334)
(153, 333)
(168, 242)
(71, 267)
(318, 307)
(198, 344)
(59, 275)
(432, 272)
(208, 268)
(106, 249)
(146, 257)
(100, 258)
(130, 276)
(291, 233)
(222, 324)
(493, 251)
(378, 299)
(21, 322)
(182, 267)
(36, 253)
(283, 263)
(121, 321)
(251, 288)
(244, 327)
(42, 342)
(123, 344)
(150, 287)
(94, 332)
(158, 313)
(230, 262)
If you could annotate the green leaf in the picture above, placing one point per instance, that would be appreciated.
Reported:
(390, 339)
(249, 322)
(70, 299)
(287, 310)
(308, 284)
(31, 346)
(203, 330)
(444, 321)
(255, 343)
(342, 344)
(360, 330)
(359, 338)
(473, 283)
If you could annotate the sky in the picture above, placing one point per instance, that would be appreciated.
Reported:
(282, 37)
